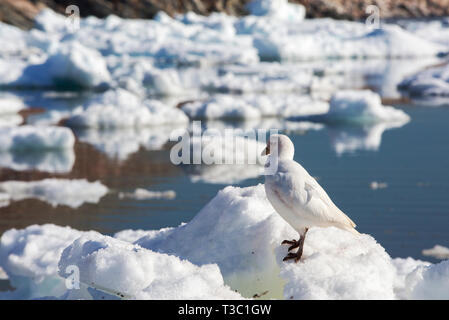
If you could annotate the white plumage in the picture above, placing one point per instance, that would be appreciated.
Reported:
(297, 197)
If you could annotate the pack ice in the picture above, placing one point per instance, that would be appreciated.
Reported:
(233, 243)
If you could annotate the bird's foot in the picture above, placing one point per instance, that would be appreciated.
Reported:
(296, 256)
(294, 244)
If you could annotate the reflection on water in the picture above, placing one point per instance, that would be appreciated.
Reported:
(362, 137)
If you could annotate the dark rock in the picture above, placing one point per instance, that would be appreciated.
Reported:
(21, 12)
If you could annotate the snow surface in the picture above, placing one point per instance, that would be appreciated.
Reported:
(72, 193)
(239, 232)
(131, 271)
(35, 138)
(30, 259)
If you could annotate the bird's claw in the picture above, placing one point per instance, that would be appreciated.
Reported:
(291, 255)
(294, 244)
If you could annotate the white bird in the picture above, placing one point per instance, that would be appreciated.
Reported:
(296, 196)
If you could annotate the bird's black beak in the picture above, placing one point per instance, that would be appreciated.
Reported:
(266, 151)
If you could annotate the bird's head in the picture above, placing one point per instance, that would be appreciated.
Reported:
(280, 146)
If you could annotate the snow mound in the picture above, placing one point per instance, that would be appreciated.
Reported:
(429, 83)
(72, 193)
(30, 259)
(429, 282)
(339, 265)
(122, 109)
(68, 65)
(362, 106)
(131, 271)
(35, 138)
(239, 232)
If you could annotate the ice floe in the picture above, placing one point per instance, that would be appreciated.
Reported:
(328, 38)
(438, 252)
(430, 83)
(254, 107)
(144, 194)
(72, 193)
(239, 232)
(122, 109)
(434, 30)
(375, 185)
(361, 107)
(32, 138)
(68, 65)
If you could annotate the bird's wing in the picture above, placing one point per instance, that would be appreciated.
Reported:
(301, 192)
(319, 198)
